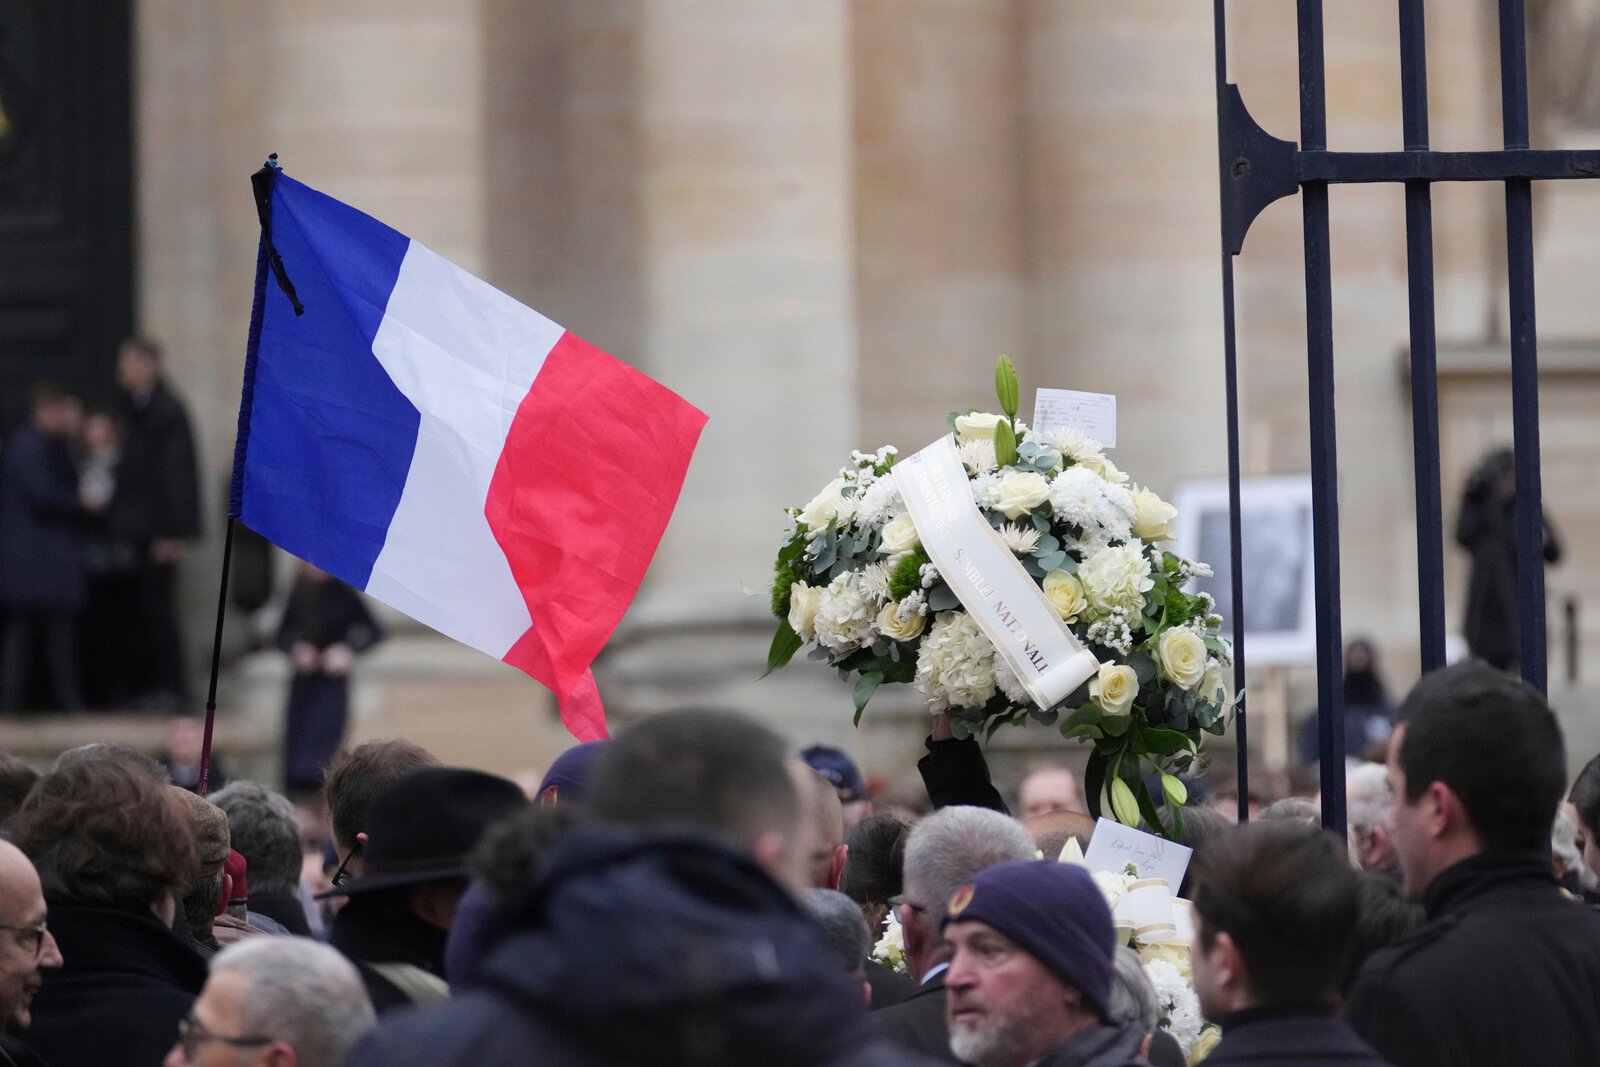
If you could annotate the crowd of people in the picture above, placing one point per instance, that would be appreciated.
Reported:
(697, 892)
(97, 507)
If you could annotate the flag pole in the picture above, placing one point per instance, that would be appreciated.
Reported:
(216, 660)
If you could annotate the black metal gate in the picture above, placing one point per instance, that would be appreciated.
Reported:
(1257, 169)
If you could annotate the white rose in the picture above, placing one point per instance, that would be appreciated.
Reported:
(826, 505)
(892, 626)
(1183, 657)
(899, 537)
(843, 620)
(1105, 469)
(1113, 689)
(1022, 491)
(1152, 516)
(803, 600)
(979, 426)
(1114, 578)
(1214, 688)
(1065, 595)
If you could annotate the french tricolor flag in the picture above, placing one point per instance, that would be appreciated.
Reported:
(424, 437)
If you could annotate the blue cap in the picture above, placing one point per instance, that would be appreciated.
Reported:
(837, 768)
(570, 771)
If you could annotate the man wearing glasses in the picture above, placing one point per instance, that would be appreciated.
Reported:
(26, 949)
(275, 1002)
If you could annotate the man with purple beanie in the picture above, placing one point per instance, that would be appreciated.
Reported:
(565, 780)
(1030, 976)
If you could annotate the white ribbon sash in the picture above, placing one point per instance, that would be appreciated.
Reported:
(988, 579)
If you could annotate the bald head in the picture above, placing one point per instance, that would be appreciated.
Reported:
(26, 947)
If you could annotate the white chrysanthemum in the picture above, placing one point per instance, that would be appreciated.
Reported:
(955, 663)
(873, 581)
(1021, 540)
(986, 490)
(1115, 579)
(1176, 1003)
(978, 455)
(891, 947)
(1104, 512)
(880, 502)
(1072, 444)
(844, 617)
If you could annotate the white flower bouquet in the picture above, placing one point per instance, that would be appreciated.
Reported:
(855, 580)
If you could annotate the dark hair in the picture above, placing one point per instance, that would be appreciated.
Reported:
(874, 860)
(842, 926)
(1585, 796)
(1200, 825)
(1492, 739)
(360, 775)
(104, 833)
(16, 779)
(1287, 896)
(712, 771)
(265, 832)
(513, 848)
(1385, 917)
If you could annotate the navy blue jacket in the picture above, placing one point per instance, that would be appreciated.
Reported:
(1264, 1036)
(41, 524)
(646, 952)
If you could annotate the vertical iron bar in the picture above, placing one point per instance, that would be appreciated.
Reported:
(1324, 450)
(1230, 363)
(1524, 349)
(1424, 351)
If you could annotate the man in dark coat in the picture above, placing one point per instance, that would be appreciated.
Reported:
(421, 833)
(944, 849)
(1486, 527)
(1506, 969)
(27, 951)
(1274, 906)
(156, 509)
(647, 951)
(671, 936)
(1029, 983)
(41, 553)
(113, 850)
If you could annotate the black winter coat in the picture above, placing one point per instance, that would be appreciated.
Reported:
(646, 952)
(125, 982)
(1100, 1046)
(1506, 970)
(918, 1022)
(954, 772)
(41, 524)
(1265, 1037)
(158, 487)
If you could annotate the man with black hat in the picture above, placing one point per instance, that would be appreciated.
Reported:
(1030, 975)
(420, 833)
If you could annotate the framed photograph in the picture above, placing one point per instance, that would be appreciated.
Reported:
(1275, 530)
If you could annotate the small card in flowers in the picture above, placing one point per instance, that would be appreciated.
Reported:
(1092, 414)
(1113, 846)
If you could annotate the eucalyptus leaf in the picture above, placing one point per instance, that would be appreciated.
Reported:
(942, 598)
(866, 685)
(1041, 519)
(1144, 666)
(1048, 543)
(1055, 561)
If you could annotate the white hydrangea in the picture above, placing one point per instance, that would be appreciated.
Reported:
(1104, 512)
(986, 490)
(1009, 684)
(1115, 579)
(1176, 1003)
(955, 663)
(844, 616)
